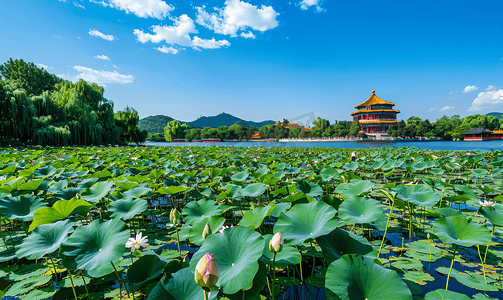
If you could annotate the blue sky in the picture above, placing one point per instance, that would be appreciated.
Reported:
(260, 59)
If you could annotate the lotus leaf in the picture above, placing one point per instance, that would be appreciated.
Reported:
(99, 190)
(461, 231)
(181, 286)
(44, 239)
(27, 271)
(59, 211)
(240, 177)
(253, 190)
(339, 242)
(357, 277)
(45, 171)
(145, 268)
(354, 188)
(42, 293)
(493, 214)
(196, 231)
(306, 221)
(328, 174)
(127, 208)
(236, 252)
(21, 207)
(172, 190)
(135, 192)
(360, 210)
(254, 218)
(93, 247)
(309, 188)
(26, 285)
(442, 294)
(197, 210)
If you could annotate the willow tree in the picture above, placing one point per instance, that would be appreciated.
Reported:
(28, 76)
(176, 130)
(127, 120)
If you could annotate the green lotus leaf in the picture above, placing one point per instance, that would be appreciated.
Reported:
(42, 293)
(279, 208)
(68, 193)
(360, 210)
(44, 239)
(339, 242)
(7, 254)
(353, 188)
(21, 207)
(195, 211)
(481, 296)
(59, 211)
(253, 190)
(287, 257)
(196, 231)
(436, 171)
(236, 252)
(461, 231)
(77, 281)
(58, 186)
(464, 190)
(417, 194)
(423, 247)
(145, 268)
(479, 172)
(309, 188)
(418, 277)
(181, 286)
(254, 218)
(27, 271)
(442, 294)
(126, 185)
(357, 277)
(492, 214)
(351, 166)
(475, 281)
(420, 166)
(127, 208)
(448, 212)
(135, 192)
(99, 190)
(26, 285)
(306, 221)
(45, 171)
(240, 177)
(328, 174)
(171, 190)
(92, 247)
(87, 183)
(31, 185)
(407, 264)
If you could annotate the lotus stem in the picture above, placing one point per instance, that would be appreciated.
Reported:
(205, 293)
(85, 285)
(387, 222)
(54, 267)
(119, 281)
(273, 277)
(450, 269)
(3, 237)
(178, 242)
(73, 286)
(483, 263)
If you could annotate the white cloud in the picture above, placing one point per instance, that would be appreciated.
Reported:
(78, 5)
(98, 76)
(446, 108)
(453, 92)
(470, 88)
(433, 108)
(208, 44)
(487, 100)
(141, 8)
(45, 66)
(492, 87)
(247, 35)
(168, 50)
(103, 57)
(305, 4)
(115, 66)
(237, 15)
(58, 36)
(96, 33)
(178, 34)
(62, 0)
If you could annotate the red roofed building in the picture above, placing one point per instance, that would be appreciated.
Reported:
(375, 115)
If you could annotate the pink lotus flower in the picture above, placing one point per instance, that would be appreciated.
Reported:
(252, 156)
(73, 150)
(307, 176)
(455, 156)
(191, 156)
(134, 158)
(150, 152)
(225, 227)
(486, 203)
(309, 165)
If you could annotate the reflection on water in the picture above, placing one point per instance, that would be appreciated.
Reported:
(433, 145)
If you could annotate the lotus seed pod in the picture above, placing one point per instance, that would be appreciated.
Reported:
(206, 231)
(207, 271)
(174, 216)
(276, 243)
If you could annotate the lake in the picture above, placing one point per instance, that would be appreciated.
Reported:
(433, 145)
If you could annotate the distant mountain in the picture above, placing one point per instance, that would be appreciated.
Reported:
(227, 120)
(496, 114)
(154, 124)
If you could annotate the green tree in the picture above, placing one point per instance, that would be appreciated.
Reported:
(28, 76)
(175, 130)
(355, 128)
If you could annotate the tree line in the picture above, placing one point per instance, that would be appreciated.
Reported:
(447, 128)
(39, 108)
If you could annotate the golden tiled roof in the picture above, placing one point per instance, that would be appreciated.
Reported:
(497, 131)
(376, 121)
(374, 110)
(374, 100)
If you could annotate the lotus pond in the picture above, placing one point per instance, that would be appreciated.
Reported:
(188, 223)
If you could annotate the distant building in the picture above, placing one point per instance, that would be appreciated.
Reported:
(481, 134)
(294, 125)
(375, 115)
(256, 136)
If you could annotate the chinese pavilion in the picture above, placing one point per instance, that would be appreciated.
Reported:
(375, 115)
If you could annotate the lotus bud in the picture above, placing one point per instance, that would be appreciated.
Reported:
(276, 243)
(174, 215)
(206, 231)
(207, 272)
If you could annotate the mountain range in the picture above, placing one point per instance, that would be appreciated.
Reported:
(156, 124)
(496, 114)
